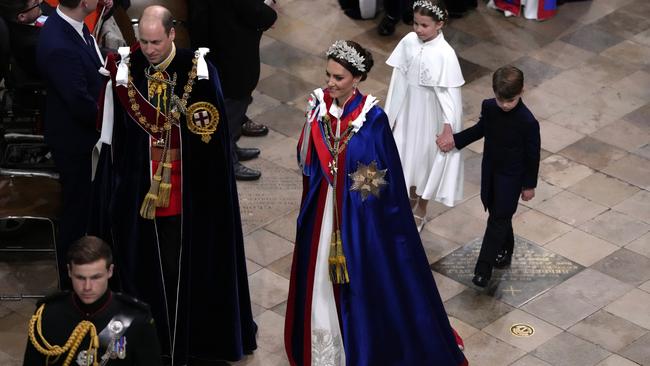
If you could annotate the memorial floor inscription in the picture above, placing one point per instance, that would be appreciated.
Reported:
(533, 271)
(274, 195)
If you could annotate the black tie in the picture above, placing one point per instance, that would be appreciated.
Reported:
(90, 42)
(89, 39)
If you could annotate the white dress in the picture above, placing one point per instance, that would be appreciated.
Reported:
(423, 95)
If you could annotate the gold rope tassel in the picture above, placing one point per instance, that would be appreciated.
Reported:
(71, 345)
(338, 265)
(148, 208)
(166, 184)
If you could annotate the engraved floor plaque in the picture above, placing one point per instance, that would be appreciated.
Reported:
(274, 195)
(533, 271)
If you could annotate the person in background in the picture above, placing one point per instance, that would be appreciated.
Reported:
(69, 60)
(394, 10)
(232, 29)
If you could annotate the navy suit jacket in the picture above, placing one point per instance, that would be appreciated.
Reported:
(510, 154)
(70, 69)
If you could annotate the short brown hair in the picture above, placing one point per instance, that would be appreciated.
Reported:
(89, 249)
(507, 82)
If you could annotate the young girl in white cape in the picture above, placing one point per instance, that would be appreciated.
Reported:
(424, 99)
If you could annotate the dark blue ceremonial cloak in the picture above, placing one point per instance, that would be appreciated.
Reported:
(214, 317)
(390, 312)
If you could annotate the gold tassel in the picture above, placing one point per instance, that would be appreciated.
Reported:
(166, 184)
(148, 208)
(337, 263)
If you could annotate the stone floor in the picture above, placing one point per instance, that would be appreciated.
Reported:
(588, 82)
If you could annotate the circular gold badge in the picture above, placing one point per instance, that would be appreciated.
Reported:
(522, 330)
(202, 119)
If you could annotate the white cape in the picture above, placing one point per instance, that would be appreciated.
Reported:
(424, 94)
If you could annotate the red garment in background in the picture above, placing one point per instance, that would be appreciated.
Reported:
(91, 19)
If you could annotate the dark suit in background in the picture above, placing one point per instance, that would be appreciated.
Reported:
(510, 164)
(232, 29)
(69, 67)
(24, 38)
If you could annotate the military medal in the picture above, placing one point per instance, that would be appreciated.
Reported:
(120, 348)
(115, 327)
(84, 359)
(117, 347)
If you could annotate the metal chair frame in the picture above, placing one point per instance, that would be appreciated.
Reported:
(11, 173)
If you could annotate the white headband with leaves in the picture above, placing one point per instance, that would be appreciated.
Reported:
(433, 8)
(343, 51)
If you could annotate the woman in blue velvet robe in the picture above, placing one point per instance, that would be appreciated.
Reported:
(369, 298)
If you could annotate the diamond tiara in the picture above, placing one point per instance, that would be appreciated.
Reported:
(343, 51)
(433, 8)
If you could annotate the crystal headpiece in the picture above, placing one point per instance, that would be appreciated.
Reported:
(433, 8)
(343, 51)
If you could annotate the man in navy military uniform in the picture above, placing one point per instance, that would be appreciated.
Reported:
(92, 323)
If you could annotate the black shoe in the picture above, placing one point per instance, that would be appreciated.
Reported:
(480, 280)
(252, 129)
(387, 26)
(503, 259)
(246, 173)
(246, 153)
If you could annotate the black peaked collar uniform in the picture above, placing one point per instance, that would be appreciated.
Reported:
(64, 311)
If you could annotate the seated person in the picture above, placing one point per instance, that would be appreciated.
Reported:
(24, 19)
(92, 321)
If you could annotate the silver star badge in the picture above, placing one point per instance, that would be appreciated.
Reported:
(367, 180)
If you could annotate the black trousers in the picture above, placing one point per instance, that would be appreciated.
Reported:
(168, 229)
(75, 176)
(236, 113)
(460, 6)
(498, 233)
(498, 236)
(396, 8)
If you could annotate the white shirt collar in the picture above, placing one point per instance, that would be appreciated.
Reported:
(335, 110)
(77, 25)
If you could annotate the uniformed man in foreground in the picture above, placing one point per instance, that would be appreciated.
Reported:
(91, 325)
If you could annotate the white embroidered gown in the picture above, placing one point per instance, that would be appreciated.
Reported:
(423, 95)
(326, 339)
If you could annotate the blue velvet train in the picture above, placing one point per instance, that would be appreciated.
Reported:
(390, 312)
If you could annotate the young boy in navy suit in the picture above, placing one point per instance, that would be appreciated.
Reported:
(509, 168)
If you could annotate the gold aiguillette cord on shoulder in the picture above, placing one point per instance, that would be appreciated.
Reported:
(80, 332)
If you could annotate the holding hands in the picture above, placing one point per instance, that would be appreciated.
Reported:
(527, 194)
(445, 140)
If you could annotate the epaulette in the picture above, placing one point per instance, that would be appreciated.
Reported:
(52, 297)
(141, 305)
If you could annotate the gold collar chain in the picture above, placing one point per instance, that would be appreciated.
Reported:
(173, 113)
